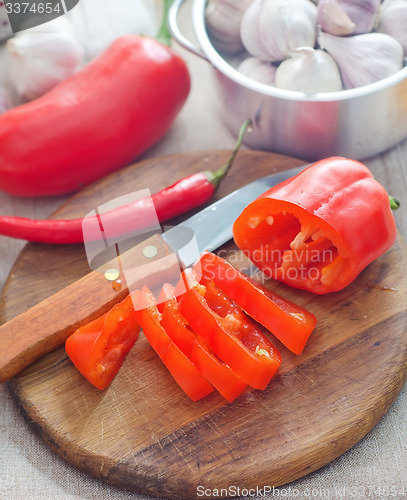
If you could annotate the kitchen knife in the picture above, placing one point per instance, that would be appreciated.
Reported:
(157, 259)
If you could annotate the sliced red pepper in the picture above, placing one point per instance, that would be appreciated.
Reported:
(223, 378)
(220, 375)
(173, 322)
(290, 323)
(320, 229)
(98, 348)
(224, 327)
(185, 373)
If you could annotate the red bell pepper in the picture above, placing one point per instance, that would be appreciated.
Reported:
(220, 375)
(290, 323)
(320, 229)
(95, 122)
(184, 372)
(224, 327)
(98, 348)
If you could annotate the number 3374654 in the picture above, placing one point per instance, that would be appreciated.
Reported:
(32, 8)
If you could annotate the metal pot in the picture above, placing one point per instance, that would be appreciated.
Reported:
(355, 123)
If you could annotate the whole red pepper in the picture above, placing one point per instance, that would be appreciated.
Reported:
(95, 122)
(320, 229)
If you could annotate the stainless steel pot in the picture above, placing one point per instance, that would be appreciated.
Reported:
(355, 123)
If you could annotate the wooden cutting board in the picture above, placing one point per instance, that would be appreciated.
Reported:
(142, 433)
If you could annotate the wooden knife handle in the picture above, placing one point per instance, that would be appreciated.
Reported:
(47, 325)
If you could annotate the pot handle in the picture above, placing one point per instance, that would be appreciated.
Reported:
(176, 33)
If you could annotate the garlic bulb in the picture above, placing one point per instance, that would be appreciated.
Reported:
(363, 59)
(43, 56)
(393, 20)
(333, 19)
(272, 29)
(98, 23)
(223, 18)
(260, 71)
(310, 71)
(362, 12)
(5, 100)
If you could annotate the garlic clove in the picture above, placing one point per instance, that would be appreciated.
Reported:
(260, 71)
(362, 12)
(272, 29)
(393, 21)
(363, 59)
(310, 71)
(43, 56)
(333, 19)
(223, 19)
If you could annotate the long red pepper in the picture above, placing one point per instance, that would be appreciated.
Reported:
(96, 121)
(184, 195)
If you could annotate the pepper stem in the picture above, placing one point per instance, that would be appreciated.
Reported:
(216, 177)
(164, 35)
(394, 203)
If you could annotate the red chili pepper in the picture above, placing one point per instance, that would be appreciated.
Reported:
(290, 323)
(220, 375)
(320, 229)
(95, 122)
(185, 373)
(98, 348)
(223, 326)
(184, 195)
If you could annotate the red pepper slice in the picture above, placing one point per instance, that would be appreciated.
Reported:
(320, 229)
(185, 373)
(98, 348)
(173, 322)
(220, 375)
(290, 323)
(223, 326)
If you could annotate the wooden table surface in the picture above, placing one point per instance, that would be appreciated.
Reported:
(375, 468)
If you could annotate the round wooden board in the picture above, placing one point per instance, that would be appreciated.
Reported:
(142, 433)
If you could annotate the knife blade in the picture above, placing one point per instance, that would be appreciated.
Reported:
(212, 226)
(154, 261)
